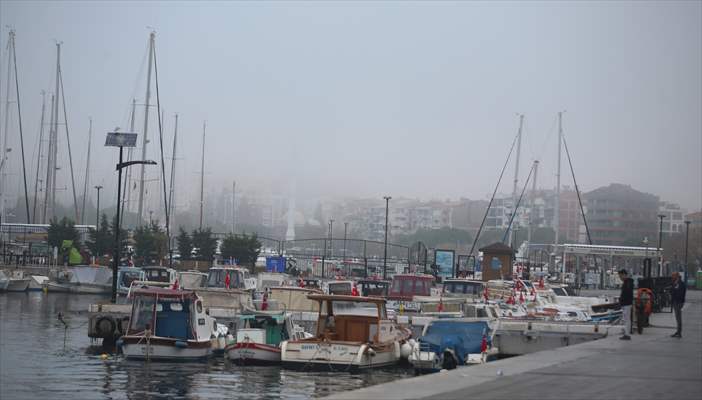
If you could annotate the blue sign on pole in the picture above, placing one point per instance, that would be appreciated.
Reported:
(444, 259)
(275, 264)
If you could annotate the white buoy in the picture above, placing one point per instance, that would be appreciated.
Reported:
(405, 350)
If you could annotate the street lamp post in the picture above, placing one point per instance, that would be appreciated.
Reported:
(97, 214)
(660, 243)
(385, 251)
(121, 140)
(331, 238)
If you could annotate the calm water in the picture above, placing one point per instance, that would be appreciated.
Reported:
(35, 364)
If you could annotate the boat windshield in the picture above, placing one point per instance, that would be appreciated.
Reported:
(218, 277)
(410, 287)
(157, 275)
(354, 308)
(560, 291)
(374, 289)
(142, 314)
(340, 288)
(473, 288)
(130, 276)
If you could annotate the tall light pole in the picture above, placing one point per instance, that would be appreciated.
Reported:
(97, 214)
(121, 140)
(687, 237)
(660, 242)
(385, 251)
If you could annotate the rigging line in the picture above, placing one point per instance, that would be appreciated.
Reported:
(163, 165)
(19, 120)
(487, 210)
(516, 207)
(139, 74)
(577, 191)
(68, 143)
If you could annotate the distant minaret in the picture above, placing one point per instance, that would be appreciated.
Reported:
(290, 233)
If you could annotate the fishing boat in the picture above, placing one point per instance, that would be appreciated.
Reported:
(259, 335)
(167, 324)
(353, 333)
(126, 276)
(13, 281)
(82, 279)
(449, 343)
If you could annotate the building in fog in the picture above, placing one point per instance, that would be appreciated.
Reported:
(674, 221)
(620, 215)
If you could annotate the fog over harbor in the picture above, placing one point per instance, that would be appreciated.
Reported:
(365, 99)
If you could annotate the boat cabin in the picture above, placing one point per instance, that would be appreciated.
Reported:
(312, 283)
(127, 275)
(168, 313)
(371, 287)
(160, 274)
(352, 319)
(340, 287)
(463, 288)
(226, 277)
(270, 279)
(192, 279)
(405, 286)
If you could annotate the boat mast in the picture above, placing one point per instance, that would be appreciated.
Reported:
(68, 144)
(126, 196)
(39, 156)
(557, 209)
(233, 207)
(55, 133)
(516, 172)
(171, 194)
(87, 171)
(202, 174)
(144, 140)
(49, 164)
(533, 198)
(3, 156)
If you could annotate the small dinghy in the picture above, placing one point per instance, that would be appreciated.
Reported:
(167, 324)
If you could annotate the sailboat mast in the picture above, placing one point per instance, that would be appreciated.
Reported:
(126, 196)
(19, 125)
(516, 172)
(557, 208)
(3, 156)
(49, 164)
(233, 207)
(532, 205)
(144, 141)
(87, 172)
(171, 194)
(39, 156)
(55, 134)
(202, 174)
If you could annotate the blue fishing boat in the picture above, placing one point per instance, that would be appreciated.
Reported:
(452, 342)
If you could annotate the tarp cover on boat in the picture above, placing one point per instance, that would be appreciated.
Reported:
(463, 337)
(87, 274)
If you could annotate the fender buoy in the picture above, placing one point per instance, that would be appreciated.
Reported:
(105, 326)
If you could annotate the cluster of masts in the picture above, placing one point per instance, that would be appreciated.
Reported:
(45, 187)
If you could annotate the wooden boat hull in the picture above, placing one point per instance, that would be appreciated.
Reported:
(164, 349)
(250, 353)
(337, 356)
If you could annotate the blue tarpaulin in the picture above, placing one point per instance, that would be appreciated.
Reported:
(463, 337)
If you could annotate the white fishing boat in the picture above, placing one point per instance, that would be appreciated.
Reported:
(83, 279)
(353, 333)
(13, 281)
(37, 282)
(259, 336)
(167, 324)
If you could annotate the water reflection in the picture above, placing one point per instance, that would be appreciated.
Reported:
(34, 363)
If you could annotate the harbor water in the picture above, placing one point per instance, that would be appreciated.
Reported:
(42, 358)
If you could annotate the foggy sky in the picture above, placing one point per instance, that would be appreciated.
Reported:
(415, 99)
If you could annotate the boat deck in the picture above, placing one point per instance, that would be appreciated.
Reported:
(650, 366)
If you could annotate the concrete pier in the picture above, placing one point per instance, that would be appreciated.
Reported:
(650, 366)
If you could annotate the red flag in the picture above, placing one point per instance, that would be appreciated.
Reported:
(227, 281)
(175, 285)
(354, 291)
(483, 344)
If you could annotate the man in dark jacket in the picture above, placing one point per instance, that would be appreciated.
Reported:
(626, 298)
(677, 297)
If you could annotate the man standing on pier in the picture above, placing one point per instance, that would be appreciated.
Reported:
(626, 298)
(677, 297)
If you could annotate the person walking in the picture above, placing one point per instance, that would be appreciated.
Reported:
(626, 298)
(677, 297)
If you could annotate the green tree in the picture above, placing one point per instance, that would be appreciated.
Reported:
(62, 230)
(185, 244)
(244, 248)
(151, 244)
(205, 244)
(100, 240)
(122, 237)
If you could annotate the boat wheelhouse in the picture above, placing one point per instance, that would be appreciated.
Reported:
(373, 287)
(227, 277)
(160, 274)
(167, 324)
(463, 288)
(404, 287)
(340, 287)
(126, 276)
(352, 333)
